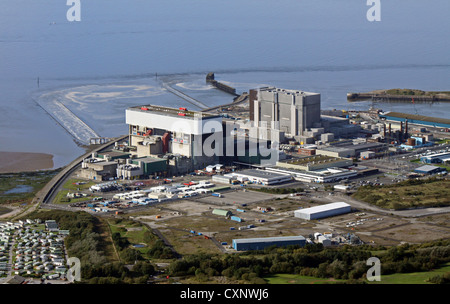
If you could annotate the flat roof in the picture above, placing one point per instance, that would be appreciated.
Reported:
(314, 173)
(113, 153)
(171, 111)
(271, 239)
(148, 159)
(310, 159)
(334, 149)
(437, 155)
(364, 145)
(323, 208)
(259, 173)
(103, 163)
(287, 91)
(427, 168)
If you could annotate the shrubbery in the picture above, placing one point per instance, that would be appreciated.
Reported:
(347, 262)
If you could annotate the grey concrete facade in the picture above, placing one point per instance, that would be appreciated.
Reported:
(296, 111)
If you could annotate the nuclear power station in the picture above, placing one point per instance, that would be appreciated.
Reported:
(294, 114)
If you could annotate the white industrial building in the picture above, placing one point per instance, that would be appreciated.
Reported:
(324, 240)
(323, 211)
(327, 175)
(261, 177)
(177, 134)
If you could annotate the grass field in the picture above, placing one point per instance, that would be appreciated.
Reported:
(412, 278)
(4, 210)
(398, 278)
(61, 198)
(298, 279)
(408, 194)
(72, 186)
(416, 92)
(134, 232)
(77, 185)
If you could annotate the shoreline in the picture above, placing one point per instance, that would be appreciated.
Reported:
(16, 162)
(401, 95)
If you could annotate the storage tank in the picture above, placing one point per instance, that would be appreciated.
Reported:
(411, 141)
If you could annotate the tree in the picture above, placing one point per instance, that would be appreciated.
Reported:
(337, 269)
(143, 268)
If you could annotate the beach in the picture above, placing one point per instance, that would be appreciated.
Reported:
(11, 162)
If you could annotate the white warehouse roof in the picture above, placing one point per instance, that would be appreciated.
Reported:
(323, 210)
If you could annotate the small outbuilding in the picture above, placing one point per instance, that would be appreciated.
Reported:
(222, 212)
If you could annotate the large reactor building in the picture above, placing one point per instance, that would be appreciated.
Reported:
(169, 133)
(293, 114)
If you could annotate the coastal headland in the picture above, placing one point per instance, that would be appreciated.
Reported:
(401, 95)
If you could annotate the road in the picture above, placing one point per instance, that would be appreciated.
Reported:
(182, 95)
(46, 195)
(365, 206)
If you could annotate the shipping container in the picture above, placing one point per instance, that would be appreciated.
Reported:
(236, 219)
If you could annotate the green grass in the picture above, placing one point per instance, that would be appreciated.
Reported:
(415, 92)
(444, 141)
(34, 180)
(407, 194)
(398, 278)
(71, 187)
(298, 279)
(134, 232)
(4, 210)
(71, 184)
(61, 198)
(412, 278)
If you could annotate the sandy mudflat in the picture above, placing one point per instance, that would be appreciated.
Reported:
(19, 161)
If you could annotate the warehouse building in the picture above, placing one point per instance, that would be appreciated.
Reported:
(315, 162)
(351, 150)
(261, 243)
(261, 177)
(428, 169)
(323, 211)
(328, 175)
(436, 158)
